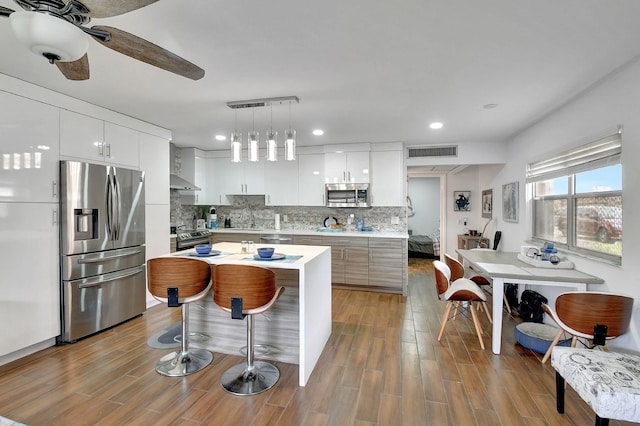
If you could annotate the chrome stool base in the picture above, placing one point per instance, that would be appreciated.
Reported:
(239, 381)
(180, 363)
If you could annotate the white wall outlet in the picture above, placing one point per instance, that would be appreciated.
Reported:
(395, 220)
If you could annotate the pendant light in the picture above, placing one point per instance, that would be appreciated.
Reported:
(236, 143)
(290, 141)
(253, 140)
(272, 141)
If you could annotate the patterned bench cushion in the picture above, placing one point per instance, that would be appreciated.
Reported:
(608, 381)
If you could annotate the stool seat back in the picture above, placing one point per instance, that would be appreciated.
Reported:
(190, 276)
(254, 284)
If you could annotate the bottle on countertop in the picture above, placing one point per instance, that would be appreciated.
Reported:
(194, 222)
(359, 223)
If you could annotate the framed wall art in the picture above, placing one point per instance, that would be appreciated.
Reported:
(510, 198)
(461, 201)
(487, 203)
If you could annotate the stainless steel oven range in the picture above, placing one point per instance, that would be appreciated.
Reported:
(188, 239)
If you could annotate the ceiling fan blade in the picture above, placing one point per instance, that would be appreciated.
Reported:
(76, 70)
(107, 8)
(145, 51)
(5, 11)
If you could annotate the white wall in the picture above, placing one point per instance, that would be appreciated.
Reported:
(615, 100)
(474, 179)
(425, 198)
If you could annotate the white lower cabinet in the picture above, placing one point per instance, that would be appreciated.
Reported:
(30, 286)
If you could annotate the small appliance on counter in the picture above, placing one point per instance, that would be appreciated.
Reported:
(227, 222)
(213, 218)
(200, 225)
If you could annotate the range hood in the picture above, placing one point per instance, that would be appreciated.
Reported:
(175, 167)
(176, 182)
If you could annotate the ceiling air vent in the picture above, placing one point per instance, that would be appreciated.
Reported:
(434, 151)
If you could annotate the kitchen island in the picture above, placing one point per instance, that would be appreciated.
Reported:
(296, 329)
(370, 261)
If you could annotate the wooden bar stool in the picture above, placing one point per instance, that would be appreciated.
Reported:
(246, 290)
(178, 282)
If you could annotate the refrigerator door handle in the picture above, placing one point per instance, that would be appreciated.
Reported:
(92, 282)
(109, 205)
(111, 257)
(117, 207)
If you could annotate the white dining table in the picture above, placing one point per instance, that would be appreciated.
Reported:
(505, 267)
(313, 264)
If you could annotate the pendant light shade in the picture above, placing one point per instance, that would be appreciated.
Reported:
(236, 147)
(272, 135)
(290, 141)
(272, 145)
(253, 146)
(48, 36)
(290, 145)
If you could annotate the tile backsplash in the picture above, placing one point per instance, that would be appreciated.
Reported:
(246, 208)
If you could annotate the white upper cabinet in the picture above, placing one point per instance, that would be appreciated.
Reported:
(216, 181)
(245, 178)
(351, 167)
(281, 183)
(122, 145)
(387, 178)
(29, 132)
(91, 139)
(310, 180)
(154, 161)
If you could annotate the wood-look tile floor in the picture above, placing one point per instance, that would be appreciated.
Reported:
(383, 365)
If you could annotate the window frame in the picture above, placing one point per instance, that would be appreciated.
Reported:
(534, 175)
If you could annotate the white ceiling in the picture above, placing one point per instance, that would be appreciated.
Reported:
(364, 71)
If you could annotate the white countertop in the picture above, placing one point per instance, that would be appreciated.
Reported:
(231, 254)
(369, 234)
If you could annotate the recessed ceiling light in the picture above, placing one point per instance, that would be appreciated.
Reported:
(489, 106)
(435, 125)
(318, 132)
(221, 138)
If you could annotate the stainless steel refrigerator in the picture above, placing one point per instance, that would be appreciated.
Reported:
(102, 262)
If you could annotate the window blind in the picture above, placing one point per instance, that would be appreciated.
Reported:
(601, 152)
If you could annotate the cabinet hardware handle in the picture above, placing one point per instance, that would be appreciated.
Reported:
(54, 217)
(109, 150)
(54, 188)
(101, 149)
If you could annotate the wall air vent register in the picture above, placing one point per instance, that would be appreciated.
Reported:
(433, 151)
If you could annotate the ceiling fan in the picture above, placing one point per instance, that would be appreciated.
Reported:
(56, 30)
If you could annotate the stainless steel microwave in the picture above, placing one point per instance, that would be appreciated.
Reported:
(347, 194)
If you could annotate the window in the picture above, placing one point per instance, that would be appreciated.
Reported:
(577, 198)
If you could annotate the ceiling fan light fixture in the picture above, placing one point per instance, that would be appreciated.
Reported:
(48, 36)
